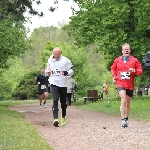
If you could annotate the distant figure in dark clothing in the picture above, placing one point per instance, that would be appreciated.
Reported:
(146, 87)
(42, 82)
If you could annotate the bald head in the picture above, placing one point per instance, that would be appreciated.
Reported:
(57, 52)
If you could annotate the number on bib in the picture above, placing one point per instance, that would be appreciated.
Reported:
(43, 87)
(56, 72)
(125, 75)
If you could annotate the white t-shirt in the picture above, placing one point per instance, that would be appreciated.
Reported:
(70, 84)
(57, 67)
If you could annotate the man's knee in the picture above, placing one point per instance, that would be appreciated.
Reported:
(55, 106)
(63, 105)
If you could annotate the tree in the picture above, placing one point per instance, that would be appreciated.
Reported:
(17, 8)
(13, 41)
(110, 24)
(11, 77)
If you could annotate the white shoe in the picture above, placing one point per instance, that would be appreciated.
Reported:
(45, 105)
(40, 106)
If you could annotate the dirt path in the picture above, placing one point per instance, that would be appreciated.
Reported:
(84, 130)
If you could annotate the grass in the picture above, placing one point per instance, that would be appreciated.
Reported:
(140, 107)
(15, 133)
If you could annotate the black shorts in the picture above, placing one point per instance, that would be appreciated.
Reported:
(128, 92)
(41, 91)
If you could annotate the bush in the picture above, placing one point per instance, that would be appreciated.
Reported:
(27, 88)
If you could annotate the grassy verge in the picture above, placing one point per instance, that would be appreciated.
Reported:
(140, 107)
(15, 133)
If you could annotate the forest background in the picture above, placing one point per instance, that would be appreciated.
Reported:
(91, 40)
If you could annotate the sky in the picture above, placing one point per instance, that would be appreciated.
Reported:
(61, 14)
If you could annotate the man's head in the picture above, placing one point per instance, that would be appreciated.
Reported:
(42, 70)
(57, 53)
(126, 50)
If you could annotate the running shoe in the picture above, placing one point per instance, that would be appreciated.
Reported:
(45, 105)
(124, 123)
(63, 121)
(56, 122)
(40, 106)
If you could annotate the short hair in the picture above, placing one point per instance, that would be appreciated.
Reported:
(126, 44)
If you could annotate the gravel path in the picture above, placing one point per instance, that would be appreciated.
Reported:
(84, 130)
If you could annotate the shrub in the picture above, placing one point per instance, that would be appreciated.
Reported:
(27, 88)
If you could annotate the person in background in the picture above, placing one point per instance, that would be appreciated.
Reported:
(59, 67)
(124, 70)
(42, 82)
(48, 75)
(70, 87)
(146, 87)
(105, 88)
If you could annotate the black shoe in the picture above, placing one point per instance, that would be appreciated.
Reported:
(124, 123)
(56, 123)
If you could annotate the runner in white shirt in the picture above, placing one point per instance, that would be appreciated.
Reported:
(59, 67)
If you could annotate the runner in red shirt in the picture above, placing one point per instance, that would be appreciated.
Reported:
(124, 69)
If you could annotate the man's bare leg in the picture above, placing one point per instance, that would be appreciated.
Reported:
(45, 98)
(40, 99)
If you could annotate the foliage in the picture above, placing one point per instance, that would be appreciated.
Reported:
(10, 77)
(142, 80)
(17, 8)
(110, 24)
(13, 41)
(55, 6)
(12, 31)
(38, 39)
(27, 88)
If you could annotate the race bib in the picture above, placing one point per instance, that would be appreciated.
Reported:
(43, 87)
(125, 75)
(56, 71)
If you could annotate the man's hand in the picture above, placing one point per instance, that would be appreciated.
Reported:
(131, 70)
(48, 72)
(38, 83)
(64, 73)
(114, 79)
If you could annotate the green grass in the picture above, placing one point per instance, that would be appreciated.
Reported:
(15, 133)
(140, 107)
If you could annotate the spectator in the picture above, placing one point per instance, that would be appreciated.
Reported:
(70, 87)
(105, 88)
(146, 87)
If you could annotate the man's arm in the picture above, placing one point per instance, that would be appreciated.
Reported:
(114, 70)
(138, 68)
(70, 72)
(37, 80)
(69, 68)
